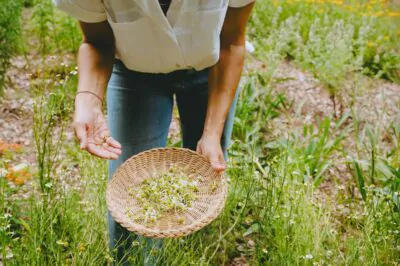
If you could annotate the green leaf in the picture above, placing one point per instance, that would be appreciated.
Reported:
(252, 229)
(272, 145)
(25, 225)
(360, 180)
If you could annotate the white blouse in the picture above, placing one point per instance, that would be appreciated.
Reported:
(149, 41)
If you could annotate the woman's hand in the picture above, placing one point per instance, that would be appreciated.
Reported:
(210, 147)
(223, 80)
(91, 128)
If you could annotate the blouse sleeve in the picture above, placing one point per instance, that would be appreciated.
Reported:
(240, 3)
(90, 11)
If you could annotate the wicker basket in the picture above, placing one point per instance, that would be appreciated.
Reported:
(207, 206)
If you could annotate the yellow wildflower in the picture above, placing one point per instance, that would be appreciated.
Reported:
(370, 44)
(82, 248)
(62, 243)
(394, 14)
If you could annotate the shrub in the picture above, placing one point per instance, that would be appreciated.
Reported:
(10, 18)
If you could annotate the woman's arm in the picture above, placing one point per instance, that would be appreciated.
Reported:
(95, 61)
(223, 80)
(96, 57)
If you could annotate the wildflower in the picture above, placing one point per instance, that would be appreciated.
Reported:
(62, 243)
(371, 44)
(82, 248)
(108, 258)
(264, 250)
(9, 147)
(393, 14)
(18, 174)
(308, 257)
(337, 2)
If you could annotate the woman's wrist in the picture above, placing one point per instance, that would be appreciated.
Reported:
(213, 128)
(90, 93)
(212, 135)
(86, 98)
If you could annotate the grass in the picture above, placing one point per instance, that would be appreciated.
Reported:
(288, 203)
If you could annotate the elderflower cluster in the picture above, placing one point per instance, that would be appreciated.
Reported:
(172, 191)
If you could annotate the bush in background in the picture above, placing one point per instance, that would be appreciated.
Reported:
(10, 21)
(332, 38)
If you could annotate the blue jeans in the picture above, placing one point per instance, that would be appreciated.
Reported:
(139, 109)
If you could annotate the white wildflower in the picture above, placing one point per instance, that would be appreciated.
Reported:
(308, 257)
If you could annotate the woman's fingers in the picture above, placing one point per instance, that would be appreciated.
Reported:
(217, 162)
(101, 152)
(112, 149)
(105, 136)
(112, 142)
(214, 155)
(81, 134)
(96, 140)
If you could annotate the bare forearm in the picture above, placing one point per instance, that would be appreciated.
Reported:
(223, 81)
(95, 66)
(95, 61)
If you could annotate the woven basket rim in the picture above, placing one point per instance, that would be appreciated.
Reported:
(170, 233)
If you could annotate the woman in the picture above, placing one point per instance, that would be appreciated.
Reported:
(145, 52)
